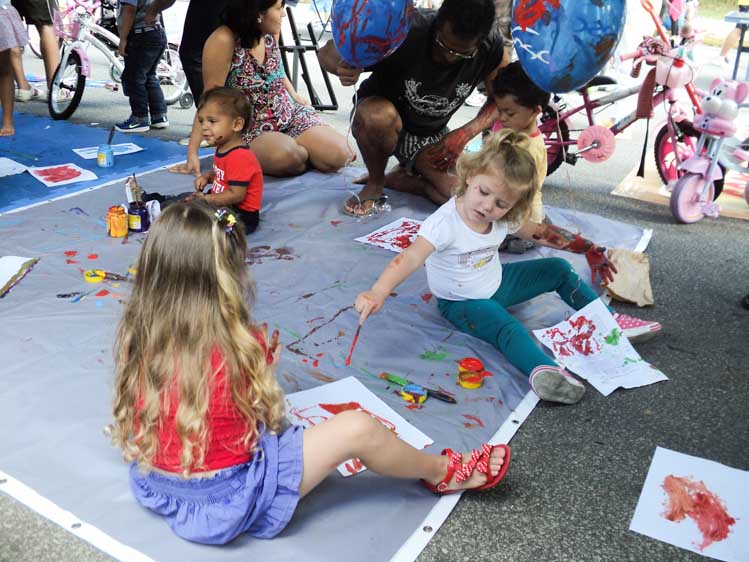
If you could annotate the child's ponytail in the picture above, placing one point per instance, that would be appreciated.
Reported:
(504, 153)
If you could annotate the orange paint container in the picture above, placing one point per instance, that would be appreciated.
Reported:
(117, 222)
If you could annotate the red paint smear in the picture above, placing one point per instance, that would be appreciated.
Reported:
(319, 355)
(335, 223)
(528, 12)
(71, 253)
(473, 418)
(93, 256)
(687, 498)
(58, 174)
(315, 363)
(69, 261)
(102, 293)
(414, 407)
(304, 360)
(400, 236)
(426, 297)
(355, 466)
(578, 338)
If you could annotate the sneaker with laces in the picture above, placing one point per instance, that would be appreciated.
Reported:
(132, 125)
(555, 384)
(160, 122)
(635, 329)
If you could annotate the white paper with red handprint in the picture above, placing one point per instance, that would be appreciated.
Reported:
(396, 236)
(591, 345)
(312, 407)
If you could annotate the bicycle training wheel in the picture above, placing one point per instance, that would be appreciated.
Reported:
(67, 88)
(556, 135)
(685, 202)
(686, 145)
(170, 74)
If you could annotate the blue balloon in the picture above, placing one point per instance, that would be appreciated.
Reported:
(563, 44)
(366, 31)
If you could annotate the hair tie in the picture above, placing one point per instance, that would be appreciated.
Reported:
(226, 219)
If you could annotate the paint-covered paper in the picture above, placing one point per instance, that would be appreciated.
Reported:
(312, 407)
(396, 236)
(695, 504)
(61, 174)
(591, 345)
(90, 152)
(12, 270)
(10, 167)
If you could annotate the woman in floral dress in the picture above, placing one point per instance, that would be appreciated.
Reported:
(287, 135)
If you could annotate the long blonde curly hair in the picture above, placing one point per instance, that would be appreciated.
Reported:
(506, 153)
(191, 296)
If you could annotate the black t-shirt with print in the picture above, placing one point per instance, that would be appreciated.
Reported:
(424, 92)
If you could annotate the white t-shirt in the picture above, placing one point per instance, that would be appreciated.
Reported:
(465, 264)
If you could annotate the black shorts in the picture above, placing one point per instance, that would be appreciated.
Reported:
(35, 12)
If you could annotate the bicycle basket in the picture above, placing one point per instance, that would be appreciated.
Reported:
(65, 20)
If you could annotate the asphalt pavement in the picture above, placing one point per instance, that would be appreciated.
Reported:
(577, 470)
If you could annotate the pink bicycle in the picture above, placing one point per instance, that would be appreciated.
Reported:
(693, 195)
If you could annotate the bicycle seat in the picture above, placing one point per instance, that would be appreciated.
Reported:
(600, 80)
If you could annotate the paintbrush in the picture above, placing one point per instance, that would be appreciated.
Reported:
(353, 343)
(111, 135)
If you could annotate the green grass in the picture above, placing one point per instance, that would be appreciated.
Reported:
(715, 9)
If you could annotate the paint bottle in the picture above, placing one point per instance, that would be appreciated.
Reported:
(117, 222)
(105, 156)
(471, 373)
(137, 219)
(414, 393)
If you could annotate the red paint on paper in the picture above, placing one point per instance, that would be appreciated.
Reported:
(69, 261)
(475, 419)
(71, 253)
(93, 256)
(354, 466)
(687, 498)
(577, 339)
(400, 236)
(315, 363)
(426, 297)
(57, 174)
(102, 293)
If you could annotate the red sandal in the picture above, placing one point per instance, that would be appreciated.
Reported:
(462, 471)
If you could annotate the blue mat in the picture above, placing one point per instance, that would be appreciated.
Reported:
(42, 141)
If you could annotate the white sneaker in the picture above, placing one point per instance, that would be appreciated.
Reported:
(476, 99)
(555, 384)
(30, 94)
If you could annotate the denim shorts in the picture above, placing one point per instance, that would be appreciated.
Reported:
(257, 498)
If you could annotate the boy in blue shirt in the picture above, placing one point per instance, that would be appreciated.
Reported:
(142, 45)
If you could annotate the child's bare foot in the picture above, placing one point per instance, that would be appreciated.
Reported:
(7, 130)
(481, 469)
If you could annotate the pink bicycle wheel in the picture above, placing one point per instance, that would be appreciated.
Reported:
(666, 150)
(685, 201)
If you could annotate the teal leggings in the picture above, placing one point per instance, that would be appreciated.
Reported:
(489, 320)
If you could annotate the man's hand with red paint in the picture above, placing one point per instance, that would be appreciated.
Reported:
(599, 263)
(443, 155)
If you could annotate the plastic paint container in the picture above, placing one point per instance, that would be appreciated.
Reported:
(414, 393)
(137, 219)
(117, 222)
(105, 156)
(471, 373)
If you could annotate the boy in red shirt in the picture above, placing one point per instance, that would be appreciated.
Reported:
(237, 178)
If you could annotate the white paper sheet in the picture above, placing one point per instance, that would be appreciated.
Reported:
(61, 174)
(696, 504)
(311, 407)
(396, 236)
(90, 152)
(10, 167)
(12, 270)
(591, 345)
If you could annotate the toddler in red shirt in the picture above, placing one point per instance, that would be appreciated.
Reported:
(236, 179)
